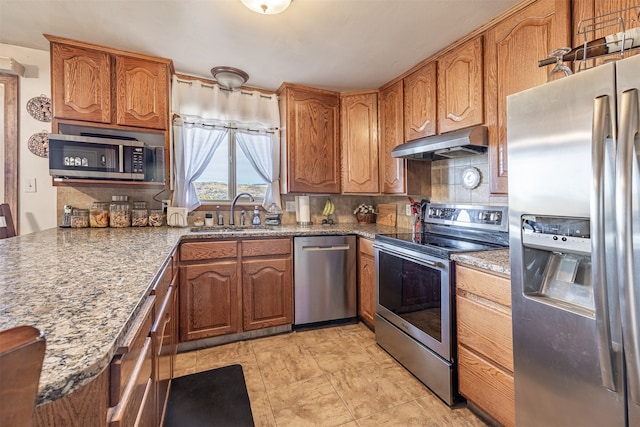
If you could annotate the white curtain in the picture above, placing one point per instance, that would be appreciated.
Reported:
(263, 151)
(194, 149)
(205, 110)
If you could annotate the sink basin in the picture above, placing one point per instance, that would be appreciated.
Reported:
(227, 229)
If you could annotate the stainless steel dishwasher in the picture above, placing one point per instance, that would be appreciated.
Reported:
(324, 278)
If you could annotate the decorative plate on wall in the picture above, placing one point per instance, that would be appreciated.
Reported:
(39, 108)
(39, 144)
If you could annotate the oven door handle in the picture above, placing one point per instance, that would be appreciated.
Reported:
(411, 256)
(432, 263)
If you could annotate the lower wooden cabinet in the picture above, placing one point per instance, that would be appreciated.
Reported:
(485, 342)
(366, 281)
(232, 286)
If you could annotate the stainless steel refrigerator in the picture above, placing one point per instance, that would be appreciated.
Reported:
(574, 224)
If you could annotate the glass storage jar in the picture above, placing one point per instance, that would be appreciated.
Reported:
(139, 214)
(99, 214)
(79, 218)
(156, 217)
(120, 212)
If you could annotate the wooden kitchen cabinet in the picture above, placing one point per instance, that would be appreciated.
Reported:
(460, 87)
(513, 48)
(359, 136)
(310, 135)
(93, 83)
(232, 286)
(420, 102)
(485, 342)
(366, 281)
(391, 124)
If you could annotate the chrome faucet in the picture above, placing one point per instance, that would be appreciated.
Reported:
(233, 206)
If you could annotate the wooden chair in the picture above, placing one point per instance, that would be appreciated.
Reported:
(21, 356)
(6, 222)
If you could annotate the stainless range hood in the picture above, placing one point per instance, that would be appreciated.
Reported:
(452, 145)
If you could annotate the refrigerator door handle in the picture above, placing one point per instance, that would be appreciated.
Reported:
(600, 133)
(625, 164)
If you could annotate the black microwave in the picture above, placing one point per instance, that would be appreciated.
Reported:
(97, 156)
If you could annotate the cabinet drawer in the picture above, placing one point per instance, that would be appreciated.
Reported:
(129, 407)
(266, 247)
(195, 251)
(485, 330)
(489, 286)
(128, 354)
(366, 246)
(487, 386)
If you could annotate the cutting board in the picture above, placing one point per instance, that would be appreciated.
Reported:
(386, 214)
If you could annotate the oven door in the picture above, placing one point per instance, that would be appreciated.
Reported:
(414, 294)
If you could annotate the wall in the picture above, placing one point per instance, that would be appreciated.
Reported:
(37, 211)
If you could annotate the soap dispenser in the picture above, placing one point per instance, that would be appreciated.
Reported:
(256, 216)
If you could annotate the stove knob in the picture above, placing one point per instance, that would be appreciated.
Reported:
(493, 216)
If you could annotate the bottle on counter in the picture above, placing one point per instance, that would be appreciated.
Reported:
(119, 212)
(256, 216)
(139, 214)
(99, 215)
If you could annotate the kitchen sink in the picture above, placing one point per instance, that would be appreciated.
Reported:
(228, 229)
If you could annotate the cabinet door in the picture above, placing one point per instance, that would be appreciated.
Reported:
(460, 87)
(267, 293)
(392, 170)
(366, 281)
(512, 51)
(142, 90)
(209, 301)
(80, 84)
(420, 103)
(359, 135)
(312, 141)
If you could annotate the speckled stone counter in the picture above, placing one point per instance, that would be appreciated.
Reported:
(493, 260)
(84, 287)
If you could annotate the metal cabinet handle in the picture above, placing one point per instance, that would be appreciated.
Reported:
(600, 133)
(626, 185)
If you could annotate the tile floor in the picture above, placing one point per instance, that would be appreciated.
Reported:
(334, 376)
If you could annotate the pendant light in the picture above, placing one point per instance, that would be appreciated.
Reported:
(229, 77)
(267, 7)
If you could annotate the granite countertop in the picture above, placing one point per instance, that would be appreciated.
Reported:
(84, 287)
(494, 260)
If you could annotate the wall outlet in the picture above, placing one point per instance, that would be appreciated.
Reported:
(290, 206)
(30, 185)
(407, 209)
(165, 205)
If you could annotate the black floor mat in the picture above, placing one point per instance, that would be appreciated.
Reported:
(213, 398)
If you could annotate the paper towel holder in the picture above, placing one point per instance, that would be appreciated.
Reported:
(303, 216)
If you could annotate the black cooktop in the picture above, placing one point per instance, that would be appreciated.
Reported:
(434, 243)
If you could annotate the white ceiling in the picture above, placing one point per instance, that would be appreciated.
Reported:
(333, 44)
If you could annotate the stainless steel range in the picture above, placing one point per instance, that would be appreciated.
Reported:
(415, 295)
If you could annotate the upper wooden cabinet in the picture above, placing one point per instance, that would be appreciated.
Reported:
(460, 87)
(359, 136)
(142, 89)
(392, 170)
(420, 103)
(80, 83)
(107, 86)
(310, 120)
(513, 48)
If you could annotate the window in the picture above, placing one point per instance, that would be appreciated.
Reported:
(229, 173)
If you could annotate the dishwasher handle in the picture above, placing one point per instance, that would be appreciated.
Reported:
(325, 248)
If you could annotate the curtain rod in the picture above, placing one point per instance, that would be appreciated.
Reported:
(271, 131)
(213, 85)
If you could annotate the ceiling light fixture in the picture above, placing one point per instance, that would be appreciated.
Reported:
(229, 77)
(267, 7)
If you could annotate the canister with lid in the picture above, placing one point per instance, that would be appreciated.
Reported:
(139, 214)
(99, 214)
(79, 218)
(156, 217)
(120, 212)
